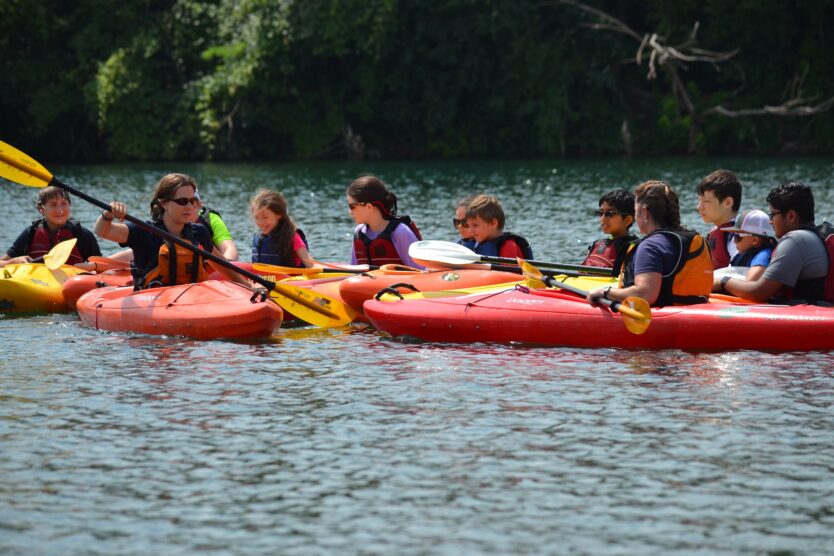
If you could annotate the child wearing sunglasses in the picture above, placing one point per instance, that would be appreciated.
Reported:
(174, 206)
(459, 221)
(278, 241)
(752, 235)
(381, 235)
(616, 215)
(55, 226)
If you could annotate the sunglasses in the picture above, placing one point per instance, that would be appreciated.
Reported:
(352, 206)
(738, 236)
(773, 213)
(610, 213)
(459, 223)
(182, 201)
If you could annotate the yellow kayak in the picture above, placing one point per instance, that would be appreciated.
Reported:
(31, 288)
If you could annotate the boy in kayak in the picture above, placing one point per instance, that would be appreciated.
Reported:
(55, 226)
(460, 223)
(485, 219)
(719, 198)
(753, 237)
(616, 215)
(800, 264)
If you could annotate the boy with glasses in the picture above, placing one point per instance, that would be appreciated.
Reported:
(616, 215)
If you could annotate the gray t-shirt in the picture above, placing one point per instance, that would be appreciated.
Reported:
(800, 254)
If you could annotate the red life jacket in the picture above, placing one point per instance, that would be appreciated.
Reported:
(609, 253)
(40, 241)
(717, 243)
(381, 249)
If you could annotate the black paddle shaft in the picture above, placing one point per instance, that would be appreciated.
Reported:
(167, 235)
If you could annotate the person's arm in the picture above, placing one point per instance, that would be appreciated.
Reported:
(403, 237)
(5, 259)
(223, 238)
(646, 285)
(761, 289)
(17, 253)
(755, 272)
(108, 228)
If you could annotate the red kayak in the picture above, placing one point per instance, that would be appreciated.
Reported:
(356, 290)
(552, 317)
(209, 310)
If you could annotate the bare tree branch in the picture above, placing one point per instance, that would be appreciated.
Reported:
(789, 108)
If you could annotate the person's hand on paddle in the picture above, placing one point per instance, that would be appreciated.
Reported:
(117, 210)
(595, 295)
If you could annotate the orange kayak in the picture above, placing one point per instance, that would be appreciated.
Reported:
(356, 290)
(209, 310)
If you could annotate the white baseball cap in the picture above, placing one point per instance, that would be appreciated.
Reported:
(755, 222)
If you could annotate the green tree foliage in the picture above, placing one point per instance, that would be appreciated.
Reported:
(277, 79)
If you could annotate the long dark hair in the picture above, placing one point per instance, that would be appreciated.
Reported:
(661, 202)
(372, 190)
(280, 236)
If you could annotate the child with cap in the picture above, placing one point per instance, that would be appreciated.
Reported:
(753, 237)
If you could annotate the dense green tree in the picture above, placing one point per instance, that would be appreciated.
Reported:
(277, 79)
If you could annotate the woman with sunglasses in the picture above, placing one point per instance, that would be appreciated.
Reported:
(174, 206)
(381, 235)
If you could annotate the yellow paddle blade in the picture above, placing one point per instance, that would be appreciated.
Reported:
(532, 275)
(20, 168)
(315, 308)
(637, 314)
(59, 254)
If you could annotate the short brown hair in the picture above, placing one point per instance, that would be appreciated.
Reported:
(487, 207)
(723, 184)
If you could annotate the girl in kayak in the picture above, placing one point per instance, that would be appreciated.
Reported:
(381, 236)
(157, 262)
(55, 226)
(670, 265)
(279, 241)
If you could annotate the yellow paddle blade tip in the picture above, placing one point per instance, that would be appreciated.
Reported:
(20, 168)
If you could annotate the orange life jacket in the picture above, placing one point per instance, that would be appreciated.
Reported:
(690, 281)
(176, 265)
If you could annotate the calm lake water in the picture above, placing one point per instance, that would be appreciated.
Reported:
(347, 442)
